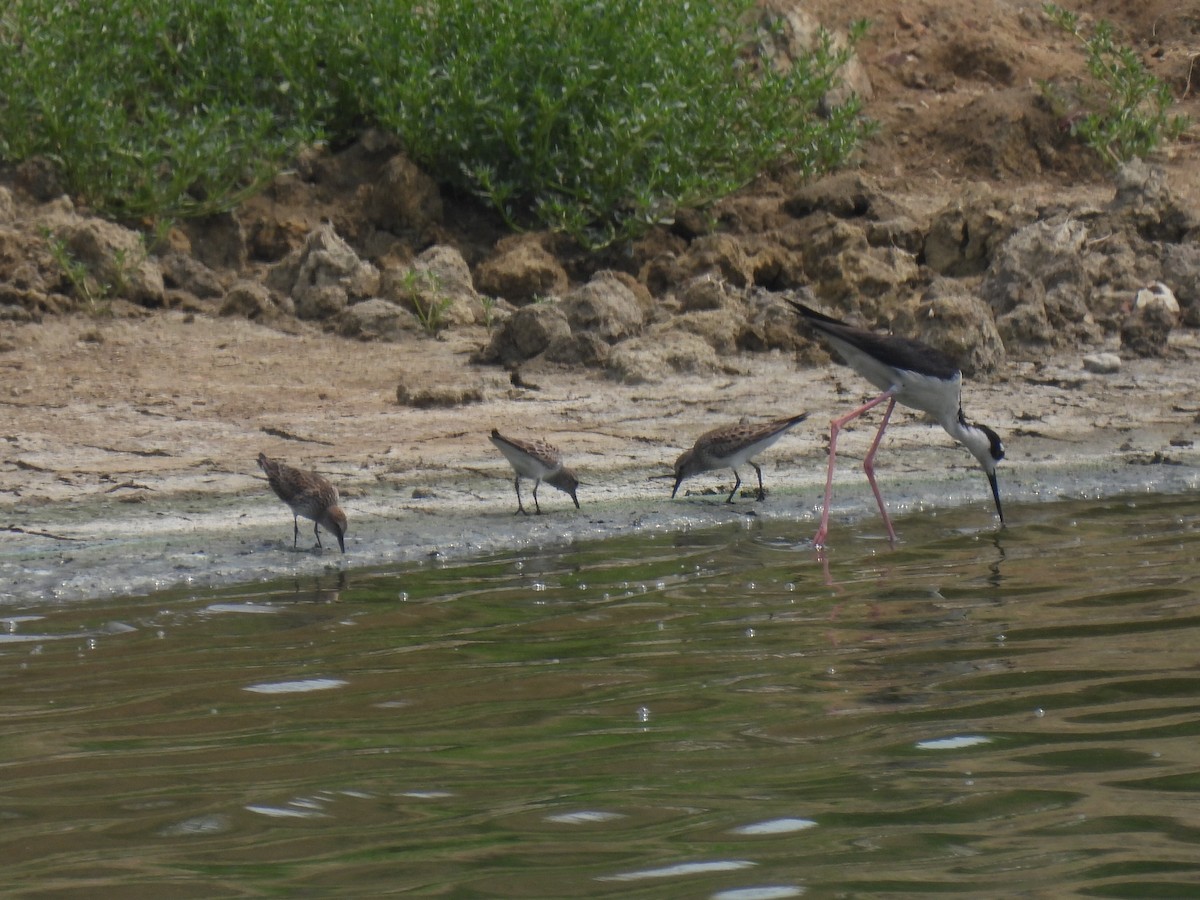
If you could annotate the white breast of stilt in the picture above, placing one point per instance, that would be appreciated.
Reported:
(939, 397)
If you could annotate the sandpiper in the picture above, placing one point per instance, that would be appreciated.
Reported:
(308, 495)
(909, 372)
(729, 447)
(537, 460)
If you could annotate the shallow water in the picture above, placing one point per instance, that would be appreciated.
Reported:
(712, 713)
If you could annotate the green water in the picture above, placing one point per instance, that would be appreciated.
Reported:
(711, 714)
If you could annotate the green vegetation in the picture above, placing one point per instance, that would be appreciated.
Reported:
(162, 108)
(600, 118)
(423, 291)
(489, 310)
(593, 118)
(1126, 114)
(85, 284)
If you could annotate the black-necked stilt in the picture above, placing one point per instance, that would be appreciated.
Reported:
(537, 460)
(908, 372)
(730, 446)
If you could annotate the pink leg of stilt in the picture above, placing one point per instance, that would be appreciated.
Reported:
(869, 468)
(835, 427)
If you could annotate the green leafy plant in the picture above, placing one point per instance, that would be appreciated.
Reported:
(431, 312)
(164, 107)
(422, 290)
(83, 284)
(599, 119)
(489, 310)
(93, 288)
(1126, 115)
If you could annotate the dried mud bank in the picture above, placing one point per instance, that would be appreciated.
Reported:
(161, 489)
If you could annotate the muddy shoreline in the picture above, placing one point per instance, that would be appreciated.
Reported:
(111, 485)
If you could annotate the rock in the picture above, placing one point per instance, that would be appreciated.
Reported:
(1144, 199)
(721, 329)
(775, 266)
(218, 241)
(254, 301)
(900, 232)
(657, 256)
(652, 358)
(324, 276)
(23, 305)
(1157, 294)
(1038, 288)
(521, 271)
(1028, 325)
(116, 257)
(963, 235)
(957, 323)
(1147, 328)
(704, 292)
(27, 267)
(185, 301)
(720, 254)
(429, 396)
(404, 198)
(860, 270)
(842, 265)
(1146, 331)
(526, 333)
(846, 195)
(1181, 270)
(186, 273)
(583, 348)
(1102, 363)
(377, 320)
(771, 325)
(606, 306)
(322, 301)
(691, 223)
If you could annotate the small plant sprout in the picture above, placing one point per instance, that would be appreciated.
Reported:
(489, 310)
(83, 284)
(431, 312)
(423, 291)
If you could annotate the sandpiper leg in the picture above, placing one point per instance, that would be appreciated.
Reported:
(762, 492)
(520, 506)
(295, 531)
(536, 485)
(737, 483)
(317, 532)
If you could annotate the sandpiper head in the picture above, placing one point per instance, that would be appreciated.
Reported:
(334, 521)
(685, 467)
(564, 479)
